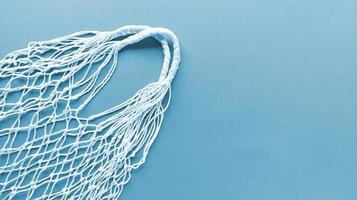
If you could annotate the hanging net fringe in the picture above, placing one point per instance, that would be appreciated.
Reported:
(48, 150)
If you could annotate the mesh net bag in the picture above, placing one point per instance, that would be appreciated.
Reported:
(48, 149)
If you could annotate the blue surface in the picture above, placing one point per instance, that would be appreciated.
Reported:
(264, 103)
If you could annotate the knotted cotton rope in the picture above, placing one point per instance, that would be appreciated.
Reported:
(48, 149)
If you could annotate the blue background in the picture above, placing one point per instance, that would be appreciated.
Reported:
(264, 103)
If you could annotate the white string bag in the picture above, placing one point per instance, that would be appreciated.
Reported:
(48, 150)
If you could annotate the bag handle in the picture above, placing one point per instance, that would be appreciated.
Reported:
(164, 36)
